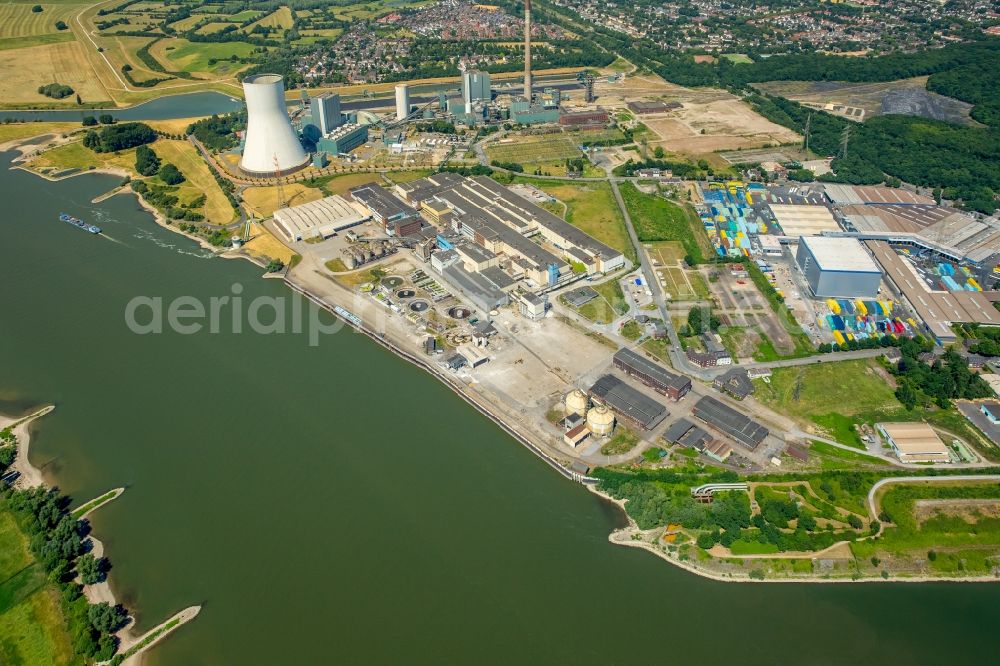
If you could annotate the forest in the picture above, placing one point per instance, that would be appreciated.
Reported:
(946, 379)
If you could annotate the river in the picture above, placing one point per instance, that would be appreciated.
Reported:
(334, 503)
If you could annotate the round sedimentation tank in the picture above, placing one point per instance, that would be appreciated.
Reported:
(600, 421)
(420, 306)
(458, 312)
(577, 402)
(272, 147)
(392, 281)
(405, 293)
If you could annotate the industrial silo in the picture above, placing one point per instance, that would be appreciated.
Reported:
(577, 402)
(600, 421)
(271, 145)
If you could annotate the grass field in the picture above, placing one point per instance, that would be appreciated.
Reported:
(679, 283)
(591, 207)
(31, 623)
(265, 246)
(609, 306)
(183, 55)
(75, 156)
(657, 219)
(25, 69)
(14, 131)
(535, 149)
(199, 181)
(186, 23)
(829, 395)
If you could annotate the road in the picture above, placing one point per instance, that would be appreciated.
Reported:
(873, 508)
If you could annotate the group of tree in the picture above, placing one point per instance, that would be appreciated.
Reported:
(686, 170)
(438, 126)
(509, 166)
(945, 379)
(55, 90)
(162, 198)
(123, 136)
(218, 132)
(103, 119)
(986, 341)
(147, 162)
(56, 540)
(699, 321)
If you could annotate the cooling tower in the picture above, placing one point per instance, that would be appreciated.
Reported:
(402, 101)
(271, 143)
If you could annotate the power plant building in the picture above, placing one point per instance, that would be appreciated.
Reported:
(271, 145)
(838, 267)
(325, 112)
(475, 87)
(344, 139)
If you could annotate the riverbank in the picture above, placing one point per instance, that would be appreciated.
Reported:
(649, 540)
(96, 593)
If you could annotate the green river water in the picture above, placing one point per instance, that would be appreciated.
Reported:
(334, 504)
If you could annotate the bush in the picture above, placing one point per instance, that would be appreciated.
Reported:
(60, 25)
(171, 175)
(36, 9)
(89, 121)
(106, 119)
(112, 138)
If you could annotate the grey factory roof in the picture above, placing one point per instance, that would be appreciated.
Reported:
(657, 372)
(580, 296)
(491, 229)
(475, 252)
(498, 277)
(738, 426)
(425, 188)
(491, 202)
(628, 402)
(481, 291)
(381, 202)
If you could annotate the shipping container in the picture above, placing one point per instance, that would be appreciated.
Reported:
(838, 337)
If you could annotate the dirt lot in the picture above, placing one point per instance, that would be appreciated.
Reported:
(969, 510)
(906, 96)
(743, 305)
(725, 124)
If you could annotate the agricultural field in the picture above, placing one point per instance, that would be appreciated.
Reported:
(25, 69)
(17, 20)
(591, 207)
(183, 155)
(830, 397)
(534, 149)
(281, 18)
(31, 622)
(657, 219)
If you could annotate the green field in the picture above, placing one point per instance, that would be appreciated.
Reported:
(608, 306)
(31, 622)
(829, 395)
(534, 149)
(737, 58)
(195, 56)
(657, 219)
(590, 207)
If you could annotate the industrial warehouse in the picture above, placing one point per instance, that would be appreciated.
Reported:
(627, 403)
(724, 418)
(320, 218)
(838, 267)
(914, 442)
(651, 374)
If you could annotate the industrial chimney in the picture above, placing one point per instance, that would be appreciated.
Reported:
(402, 101)
(271, 145)
(527, 49)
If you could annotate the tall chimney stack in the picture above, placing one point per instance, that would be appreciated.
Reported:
(527, 49)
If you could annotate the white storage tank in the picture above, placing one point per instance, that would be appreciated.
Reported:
(600, 421)
(577, 402)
